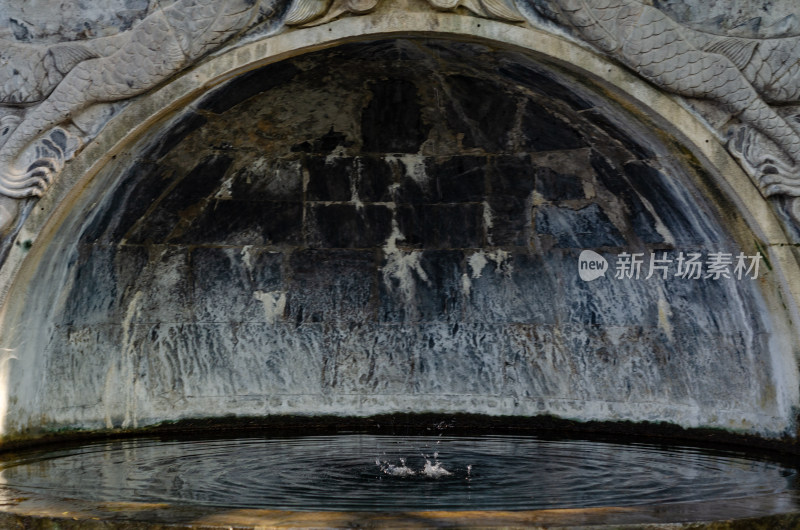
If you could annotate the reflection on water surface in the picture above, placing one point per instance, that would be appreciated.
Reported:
(389, 473)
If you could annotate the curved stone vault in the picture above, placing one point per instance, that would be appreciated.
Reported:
(384, 212)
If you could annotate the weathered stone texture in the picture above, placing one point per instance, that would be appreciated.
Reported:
(744, 18)
(356, 232)
(38, 20)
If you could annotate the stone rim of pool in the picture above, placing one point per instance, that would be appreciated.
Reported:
(776, 510)
(757, 512)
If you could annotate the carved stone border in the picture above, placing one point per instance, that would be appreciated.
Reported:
(121, 135)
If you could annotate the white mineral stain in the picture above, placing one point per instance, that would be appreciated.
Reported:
(664, 315)
(225, 189)
(588, 190)
(247, 256)
(663, 231)
(390, 247)
(402, 266)
(414, 166)
(502, 262)
(111, 387)
(488, 221)
(338, 152)
(477, 262)
(354, 182)
(274, 304)
(660, 227)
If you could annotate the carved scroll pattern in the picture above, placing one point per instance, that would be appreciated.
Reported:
(306, 12)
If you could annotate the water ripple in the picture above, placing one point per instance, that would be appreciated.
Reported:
(366, 472)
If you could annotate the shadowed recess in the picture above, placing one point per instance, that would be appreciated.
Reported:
(395, 226)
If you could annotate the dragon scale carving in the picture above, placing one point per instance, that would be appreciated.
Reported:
(75, 76)
(64, 79)
(742, 75)
(43, 87)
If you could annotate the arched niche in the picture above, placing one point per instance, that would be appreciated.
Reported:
(356, 219)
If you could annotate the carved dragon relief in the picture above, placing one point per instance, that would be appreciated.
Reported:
(744, 76)
(53, 84)
(43, 87)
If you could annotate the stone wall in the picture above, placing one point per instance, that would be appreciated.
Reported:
(395, 226)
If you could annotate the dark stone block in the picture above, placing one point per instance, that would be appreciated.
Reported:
(248, 85)
(348, 226)
(588, 227)
(482, 111)
(225, 281)
(555, 186)
(199, 184)
(324, 144)
(544, 84)
(415, 190)
(511, 176)
(156, 228)
(276, 180)
(511, 180)
(392, 121)
(375, 177)
(442, 225)
(543, 131)
(451, 180)
(330, 285)
(246, 223)
(459, 179)
(329, 178)
(436, 294)
(672, 209)
(642, 221)
(614, 131)
(187, 124)
(510, 221)
(143, 183)
(610, 177)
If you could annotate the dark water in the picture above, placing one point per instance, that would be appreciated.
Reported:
(366, 472)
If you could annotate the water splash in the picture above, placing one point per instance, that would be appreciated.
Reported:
(401, 470)
(434, 470)
(429, 470)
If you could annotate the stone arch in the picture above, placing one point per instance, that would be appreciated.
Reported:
(750, 222)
